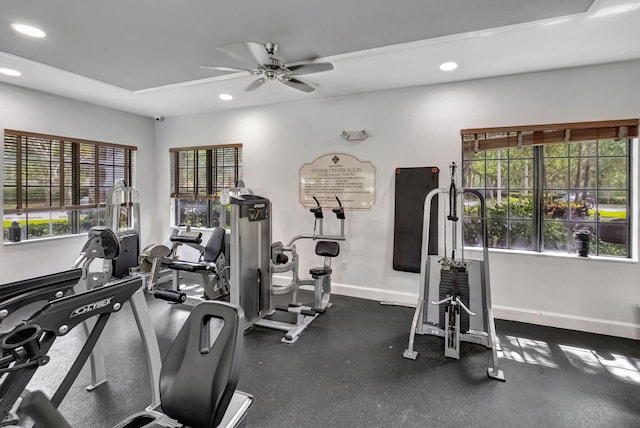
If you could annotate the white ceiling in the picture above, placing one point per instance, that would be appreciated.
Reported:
(144, 56)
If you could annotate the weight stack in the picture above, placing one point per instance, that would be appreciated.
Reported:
(455, 281)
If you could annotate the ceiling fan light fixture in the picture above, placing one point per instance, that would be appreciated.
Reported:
(28, 30)
(225, 97)
(448, 66)
(10, 72)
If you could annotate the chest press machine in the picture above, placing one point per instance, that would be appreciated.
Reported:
(327, 247)
(254, 259)
(455, 302)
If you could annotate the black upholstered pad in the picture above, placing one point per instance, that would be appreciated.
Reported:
(215, 245)
(327, 248)
(187, 266)
(187, 237)
(198, 380)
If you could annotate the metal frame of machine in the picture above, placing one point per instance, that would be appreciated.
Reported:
(461, 276)
(118, 227)
(320, 280)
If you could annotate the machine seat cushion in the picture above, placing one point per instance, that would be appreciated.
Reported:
(320, 271)
(188, 266)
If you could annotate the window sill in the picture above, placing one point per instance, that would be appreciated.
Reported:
(48, 238)
(554, 255)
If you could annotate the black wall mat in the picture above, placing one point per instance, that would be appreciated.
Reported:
(412, 186)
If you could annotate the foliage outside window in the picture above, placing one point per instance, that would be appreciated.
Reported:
(198, 177)
(57, 186)
(543, 185)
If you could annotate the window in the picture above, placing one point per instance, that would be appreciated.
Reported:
(544, 183)
(198, 177)
(57, 185)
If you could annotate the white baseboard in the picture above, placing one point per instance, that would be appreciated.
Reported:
(368, 293)
(404, 299)
(570, 322)
(549, 319)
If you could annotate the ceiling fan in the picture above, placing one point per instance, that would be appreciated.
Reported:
(262, 57)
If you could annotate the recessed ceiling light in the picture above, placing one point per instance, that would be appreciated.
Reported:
(448, 66)
(225, 97)
(28, 30)
(10, 72)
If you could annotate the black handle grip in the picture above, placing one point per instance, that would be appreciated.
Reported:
(339, 211)
(317, 211)
(170, 296)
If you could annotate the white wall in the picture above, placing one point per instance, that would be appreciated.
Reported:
(420, 127)
(33, 111)
(410, 127)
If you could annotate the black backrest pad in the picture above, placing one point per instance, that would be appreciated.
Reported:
(186, 237)
(215, 245)
(196, 387)
(327, 248)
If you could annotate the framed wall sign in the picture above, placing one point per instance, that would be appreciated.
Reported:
(341, 175)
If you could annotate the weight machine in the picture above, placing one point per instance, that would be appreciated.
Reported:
(250, 282)
(284, 258)
(461, 287)
(123, 217)
(254, 259)
(117, 245)
(210, 266)
(103, 244)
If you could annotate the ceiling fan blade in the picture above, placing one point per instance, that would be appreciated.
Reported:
(298, 84)
(215, 67)
(311, 68)
(249, 52)
(255, 84)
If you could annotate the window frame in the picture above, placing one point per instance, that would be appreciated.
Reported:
(210, 167)
(99, 167)
(540, 136)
